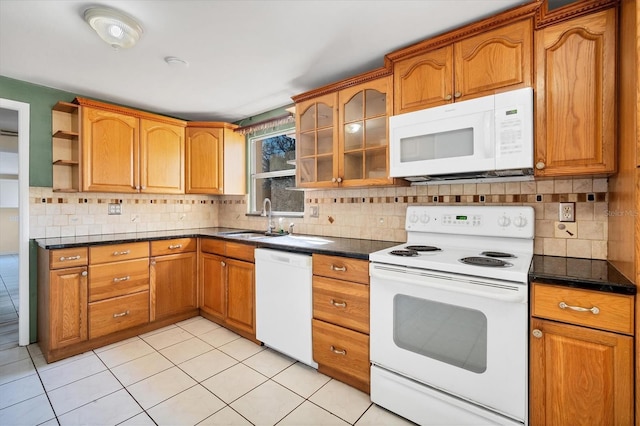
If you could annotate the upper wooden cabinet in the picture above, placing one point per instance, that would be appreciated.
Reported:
(575, 96)
(128, 151)
(491, 61)
(342, 137)
(215, 159)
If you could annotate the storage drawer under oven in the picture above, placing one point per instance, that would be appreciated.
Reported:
(341, 350)
(118, 279)
(118, 313)
(342, 303)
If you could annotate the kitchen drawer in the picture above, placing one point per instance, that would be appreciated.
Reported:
(615, 311)
(118, 252)
(173, 246)
(118, 313)
(342, 303)
(240, 251)
(209, 245)
(342, 268)
(118, 278)
(341, 350)
(67, 258)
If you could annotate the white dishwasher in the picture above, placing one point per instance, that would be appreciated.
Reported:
(284, 303)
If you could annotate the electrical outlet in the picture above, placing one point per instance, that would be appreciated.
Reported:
(567, 212)
(115, 208)
(566, 230)
(313, 211)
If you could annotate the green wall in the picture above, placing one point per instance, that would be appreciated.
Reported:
(41, 99)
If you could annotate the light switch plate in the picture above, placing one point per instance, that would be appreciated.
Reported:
(313, 211)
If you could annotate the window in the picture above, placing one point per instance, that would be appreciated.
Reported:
(273, 171)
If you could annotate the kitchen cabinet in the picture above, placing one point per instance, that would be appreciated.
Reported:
(65, 148)
(215, 159)
(118, 296)
(173, 276)
(227, 285)
(581, 361)
(490, 61)
(62, 298)
(127, 151)
(342, 137)
(341, 319)
(576, 96)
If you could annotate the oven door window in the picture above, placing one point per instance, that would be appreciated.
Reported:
(447, 333)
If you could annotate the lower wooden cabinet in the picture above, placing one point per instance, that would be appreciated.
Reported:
(341, 319)
(580, 375)
(173, 277)
(227, 285)
(118, 313)
(62, 298)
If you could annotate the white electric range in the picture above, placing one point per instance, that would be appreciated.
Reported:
(449, 316)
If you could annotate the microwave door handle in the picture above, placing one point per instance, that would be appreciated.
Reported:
(489, 132)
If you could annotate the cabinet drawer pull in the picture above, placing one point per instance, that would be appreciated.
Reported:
(338, 351)
(338, 268)
(175, 246)
(117, 280)
(595, 310)
(121, 314)
(64, 259)
(338, 304)
(121, 253)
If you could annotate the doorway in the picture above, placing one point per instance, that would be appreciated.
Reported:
(18, 123)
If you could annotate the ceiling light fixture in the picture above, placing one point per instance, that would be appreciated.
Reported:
(116, 28)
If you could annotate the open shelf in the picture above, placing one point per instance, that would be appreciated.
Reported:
(65, 147)
(67, 190)
(66, 107)
(66, 163)
(63, 134)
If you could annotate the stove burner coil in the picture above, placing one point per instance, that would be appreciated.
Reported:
(485, 261)
(406, 253)
(423, 248)
(496, 254)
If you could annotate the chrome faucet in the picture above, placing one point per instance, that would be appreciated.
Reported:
(270, 226)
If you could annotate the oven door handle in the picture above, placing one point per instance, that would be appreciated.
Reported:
(483, 287)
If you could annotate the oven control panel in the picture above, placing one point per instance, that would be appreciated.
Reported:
(505, 221)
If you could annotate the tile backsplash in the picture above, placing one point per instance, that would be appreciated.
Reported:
(368, 213)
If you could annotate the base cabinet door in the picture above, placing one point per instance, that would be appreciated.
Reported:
(241, 295)
(68, 306)
(173, 284)
(213, 285)
(579, 376)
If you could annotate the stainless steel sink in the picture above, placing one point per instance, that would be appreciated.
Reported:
(250, 235)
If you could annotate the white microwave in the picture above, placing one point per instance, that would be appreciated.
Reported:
(490, 136)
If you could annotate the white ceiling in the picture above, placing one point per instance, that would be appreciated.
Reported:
(245, 56)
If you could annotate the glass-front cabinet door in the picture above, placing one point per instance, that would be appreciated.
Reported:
(363, 133)
(317, 139)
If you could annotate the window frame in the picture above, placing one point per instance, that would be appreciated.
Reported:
(255, 207)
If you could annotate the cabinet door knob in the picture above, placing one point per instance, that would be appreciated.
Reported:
(339, 180)
(334, 180)
(223, 263)
(448, 97)
(84, 273)
(540, 165)
(537, 333)
(457, 95)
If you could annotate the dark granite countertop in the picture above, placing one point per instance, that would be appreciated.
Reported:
(589, 274)
(298, 243)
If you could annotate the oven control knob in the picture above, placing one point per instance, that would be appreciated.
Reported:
(413, 218)
(504, 221)
(520, 221)
(424, 218)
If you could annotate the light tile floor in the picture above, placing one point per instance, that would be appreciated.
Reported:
(8, 301)
(192, 372)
